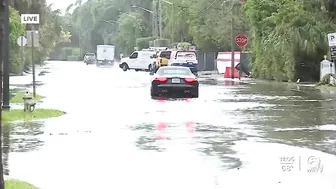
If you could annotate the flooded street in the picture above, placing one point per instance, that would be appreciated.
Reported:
(115, 136)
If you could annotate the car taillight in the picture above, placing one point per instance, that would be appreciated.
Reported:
(190, 80)
(161, 79)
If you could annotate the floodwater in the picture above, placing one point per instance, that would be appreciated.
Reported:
(236, 135)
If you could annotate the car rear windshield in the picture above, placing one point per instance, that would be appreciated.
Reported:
(186, 55)
(174, 71)
(90, 54)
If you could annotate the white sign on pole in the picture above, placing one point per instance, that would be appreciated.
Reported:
(21, 41)
(36, 38)
(332, 39)
(30, 18)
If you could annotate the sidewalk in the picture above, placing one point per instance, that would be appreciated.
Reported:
(26, 79)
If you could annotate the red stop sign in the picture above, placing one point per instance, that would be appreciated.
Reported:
(241, 40)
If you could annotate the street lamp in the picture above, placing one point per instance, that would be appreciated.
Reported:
(154, 16)
(172, 18)
(132, 16)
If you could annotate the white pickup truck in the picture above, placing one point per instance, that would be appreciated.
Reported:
(105, 55)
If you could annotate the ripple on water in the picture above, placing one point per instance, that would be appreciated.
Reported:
(21, 137)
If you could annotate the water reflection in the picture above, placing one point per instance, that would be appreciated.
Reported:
(210, 140)
(148, 137)
(5, 148)
(21, 137)
(293, 115)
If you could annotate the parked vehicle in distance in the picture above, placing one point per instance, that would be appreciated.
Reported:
(105, 55)
(174, 82)
(90, 58)
(161, 59)
(186, 59)
(138, 60)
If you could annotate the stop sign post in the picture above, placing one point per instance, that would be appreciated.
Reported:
(241, 40)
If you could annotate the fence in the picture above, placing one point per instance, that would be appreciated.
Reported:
(207, 61)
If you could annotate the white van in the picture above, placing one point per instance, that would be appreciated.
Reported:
(138, 60)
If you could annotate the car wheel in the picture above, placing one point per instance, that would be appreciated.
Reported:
(152, 93)
(136, 70)
(149, 67)
(195, 95)
(124, 67)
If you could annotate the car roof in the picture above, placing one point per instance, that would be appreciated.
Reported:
(176, 67)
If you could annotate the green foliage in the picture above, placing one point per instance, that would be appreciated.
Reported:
(282, 34)
(16, 30)
(115, 22)
(50, 31)
(17, 184)
(183, 45)
(75, 52)
(285, 34)
(73, 58)
(161, 42)
(144, 42)
(66, 52)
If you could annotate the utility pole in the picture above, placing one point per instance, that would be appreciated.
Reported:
(160, 18)
(6, 59)
(232, 40)
(154, 21)
(2, 19)
(79, 43)
(33, 61)
(172, 25)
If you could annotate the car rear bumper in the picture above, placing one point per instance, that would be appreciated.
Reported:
(171, 90)
(105, 61)
(90, 61)
(193, 67)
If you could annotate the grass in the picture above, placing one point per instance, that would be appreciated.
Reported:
(327, 87)
(18, 114)
(18, 98)
(16, 184)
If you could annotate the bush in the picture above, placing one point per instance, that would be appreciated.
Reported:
(184, 45)
(151, 43)
(72, 58)
(144, 42)
(161, 42)
(65, 52)
(75, 52)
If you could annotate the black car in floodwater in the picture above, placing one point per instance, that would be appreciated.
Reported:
(90, 58)
(174, 82)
